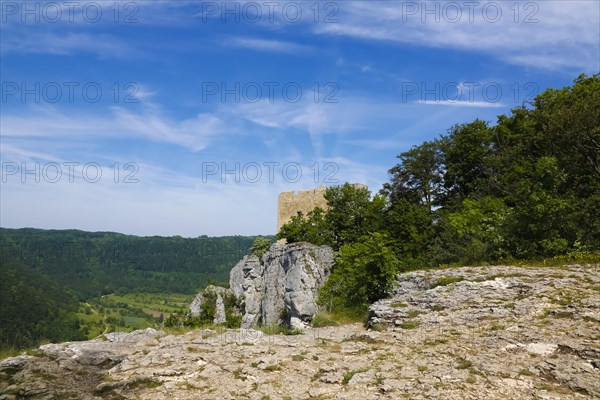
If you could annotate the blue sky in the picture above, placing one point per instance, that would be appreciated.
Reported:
(188, 118)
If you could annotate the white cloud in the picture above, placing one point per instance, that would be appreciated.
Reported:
(269, 45)
(463, 103)
(142, 92)
(194, 133)
(305, 114)
(23, 153)
(305, 117)
(65, 43)
(52, 123)
(564, 36)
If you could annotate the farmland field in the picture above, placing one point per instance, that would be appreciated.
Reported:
(128, 312)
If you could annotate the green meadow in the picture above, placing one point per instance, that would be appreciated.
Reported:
(128, 312)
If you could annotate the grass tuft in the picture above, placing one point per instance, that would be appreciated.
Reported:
(447, 280)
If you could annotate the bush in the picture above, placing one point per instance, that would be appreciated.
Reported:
(364, 273)
(260, 247)
(322, 319)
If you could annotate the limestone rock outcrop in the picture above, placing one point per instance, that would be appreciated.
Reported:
(214, 294)
(280, 288)
(220, 316)
(283, 286)
(493, 333)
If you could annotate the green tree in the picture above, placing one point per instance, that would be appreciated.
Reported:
(474, 232)
(352, 214)
(34, 308)
(364, 272)
(313, 229)
(410, 229)
(99, 263)
(418, 177)
(260, 246)
(568, 121)
(416, 187)
(465, 158)
(568, 125)
(541, 223)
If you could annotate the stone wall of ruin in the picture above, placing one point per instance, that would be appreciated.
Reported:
(304, 201)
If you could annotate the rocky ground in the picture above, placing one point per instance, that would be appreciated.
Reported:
(464, 333)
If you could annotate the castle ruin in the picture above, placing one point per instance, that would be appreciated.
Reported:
(302, 201)
(296, 202)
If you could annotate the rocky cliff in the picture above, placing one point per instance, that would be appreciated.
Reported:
(492, 333)
(279, 288)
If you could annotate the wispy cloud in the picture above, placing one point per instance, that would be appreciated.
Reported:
(306, 115)
(463, 103)
(194, 133)
(269, 45)
(66, 43)
(315, 120)
(53, 123)
(545, 35)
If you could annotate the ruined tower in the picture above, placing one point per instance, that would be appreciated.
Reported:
(302, 201)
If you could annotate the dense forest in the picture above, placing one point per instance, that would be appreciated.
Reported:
(45, 273)
(96, 263)
(34, 307)
(526, 188)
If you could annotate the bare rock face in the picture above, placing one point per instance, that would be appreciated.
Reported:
(280, 288)
(72, 370)
(493, 333)
(208, 294)
(283, 287)
(246, 281)
(549, 315)
(220, 317)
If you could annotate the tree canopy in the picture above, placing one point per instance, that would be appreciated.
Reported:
(527, 187)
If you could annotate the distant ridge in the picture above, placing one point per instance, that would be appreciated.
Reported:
(96, 263)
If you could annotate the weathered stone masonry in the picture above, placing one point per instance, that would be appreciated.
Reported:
(303, 201)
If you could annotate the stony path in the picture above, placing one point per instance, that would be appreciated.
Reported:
(465, 333)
